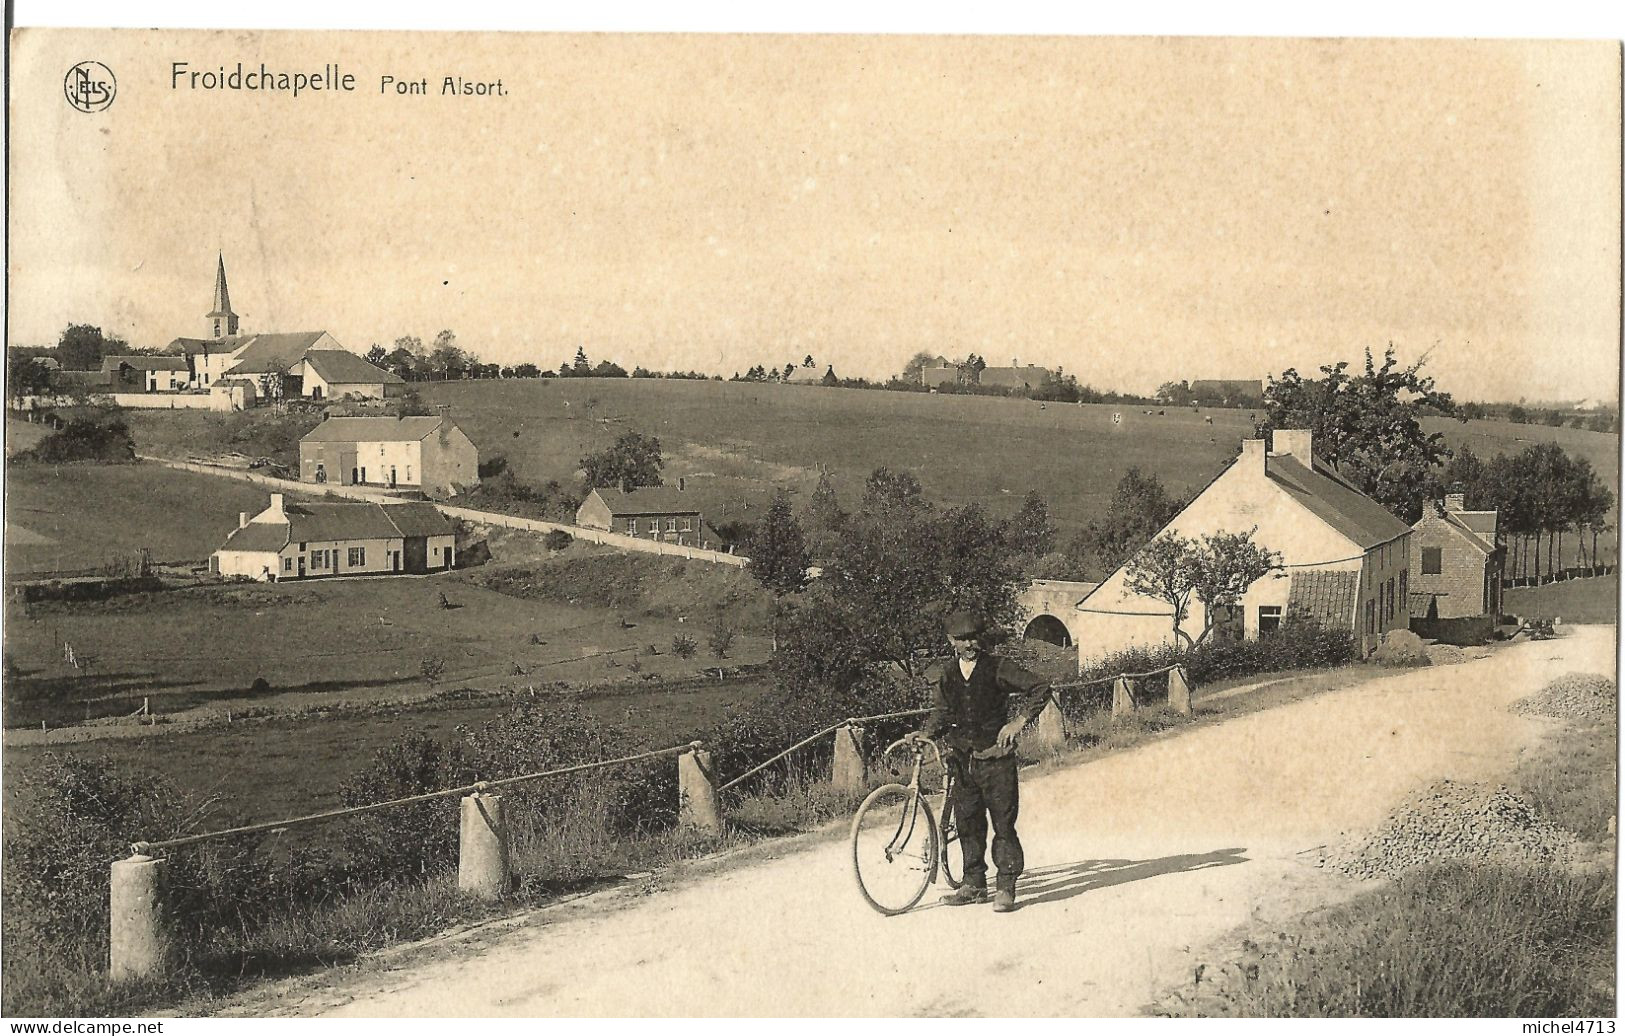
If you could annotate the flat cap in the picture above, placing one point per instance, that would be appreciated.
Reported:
(963, 624)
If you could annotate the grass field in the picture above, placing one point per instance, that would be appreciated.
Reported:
(1575, 600)
(76, 516)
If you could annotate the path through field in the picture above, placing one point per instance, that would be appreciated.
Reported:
(1135, 861)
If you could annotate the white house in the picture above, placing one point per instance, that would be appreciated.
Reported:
(306, 540)
(1345, 558)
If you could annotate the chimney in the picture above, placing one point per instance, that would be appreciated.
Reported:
(1295, 442)
(626, 485)
(242, 519)
(1252, 454)
(1455, 501)
(274, 512)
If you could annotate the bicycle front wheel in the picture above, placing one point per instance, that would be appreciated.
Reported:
(952, 853)
(894, 848)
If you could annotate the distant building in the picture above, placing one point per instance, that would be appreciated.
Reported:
(430, 455)
(299, 363)
(1232, 393)
(663, 513)
(940, 372)
(146, 373)
(1014, 377)
(811, 375)
(309, 540)
(1455, 561)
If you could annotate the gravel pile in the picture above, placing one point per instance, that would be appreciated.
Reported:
(1573, 696)
(1455, 820)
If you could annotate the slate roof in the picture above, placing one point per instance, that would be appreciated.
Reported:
(1482, 524)
(1013, 377)
(340, 366)
(1325, 595)
(259, 537)
(320, 522)
(647, 500)
(418, 519)
(373, 429)
(1335, 502)
(145, 363)
(265, 354)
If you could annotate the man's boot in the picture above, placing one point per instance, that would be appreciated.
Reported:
(966, 895)
(1005, 899)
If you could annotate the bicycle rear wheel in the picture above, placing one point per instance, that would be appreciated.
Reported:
(894, 848)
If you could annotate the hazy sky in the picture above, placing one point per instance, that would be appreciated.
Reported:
(1134, 210)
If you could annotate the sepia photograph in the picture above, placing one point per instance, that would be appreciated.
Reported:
(741, 524)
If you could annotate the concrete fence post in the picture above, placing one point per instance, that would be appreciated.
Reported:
(1049, 733)
(482, 847)
(698, 804)
(137, 944)
(1179, 691)
(848, 774)
(1122, 697)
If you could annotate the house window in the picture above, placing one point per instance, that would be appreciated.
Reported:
(1391, 611)
(671, 525)
(631, 526)
(358, 556)
(1404, 589)
(287, 564)
(1371, 615)
(1432, 561)
(686, 527)
(409, 473)
(1269, 619)
(363, 474)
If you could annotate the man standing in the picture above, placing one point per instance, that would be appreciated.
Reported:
(972, 714)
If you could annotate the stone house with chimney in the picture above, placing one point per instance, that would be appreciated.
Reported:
(1345, 560)
(1455, 561)
(663, 513)
(427, 455)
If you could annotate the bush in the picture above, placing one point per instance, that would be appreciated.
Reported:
(100, 439)
(1300, 644)
(683, 646)
(432, 668)
(558, 539)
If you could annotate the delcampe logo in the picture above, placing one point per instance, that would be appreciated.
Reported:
(90, 86)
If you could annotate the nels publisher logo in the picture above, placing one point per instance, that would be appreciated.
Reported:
(90, 86)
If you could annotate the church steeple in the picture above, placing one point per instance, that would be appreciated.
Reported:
(222, 321)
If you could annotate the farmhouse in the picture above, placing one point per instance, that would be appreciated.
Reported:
(1345, 560)
(649, 512)
(812, 376)
(1456, 561)
(306, 540)
(940, 372)
(430, 455)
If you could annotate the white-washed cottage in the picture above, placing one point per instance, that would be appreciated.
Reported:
(305, 540)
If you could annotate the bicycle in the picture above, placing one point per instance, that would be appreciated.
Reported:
(897, 846)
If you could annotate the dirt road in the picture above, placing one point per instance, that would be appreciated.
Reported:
(1135, 860)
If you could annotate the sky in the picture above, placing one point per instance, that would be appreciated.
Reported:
(1132, 210)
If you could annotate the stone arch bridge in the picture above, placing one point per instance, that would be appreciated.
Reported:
(1049, 610)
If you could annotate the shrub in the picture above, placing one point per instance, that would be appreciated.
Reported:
(720, 637)
(683, 646)
(103, 439)
(432, 668)
(558, 539)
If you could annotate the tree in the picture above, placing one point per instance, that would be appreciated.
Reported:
(377, 355)
(807, 361)
(824, 517)
(82, 347)
(404, 364)
(788, 372)
(1518, 415)
(526, 370)
(606, 369)
(916, 363)
(1368, 426)
(579, 367)
(886, 489)
(635, 460)
(1216, 570)
(1030, 532)
(778, 549)
(446, 360)
(26, 376)
(1177, 393)
(1472, 411)
(1139, 507)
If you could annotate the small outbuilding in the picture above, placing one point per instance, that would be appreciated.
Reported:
(1456, 561)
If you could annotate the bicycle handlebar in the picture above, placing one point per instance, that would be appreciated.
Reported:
(916, 742)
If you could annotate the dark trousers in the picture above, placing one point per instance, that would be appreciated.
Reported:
(984, 789)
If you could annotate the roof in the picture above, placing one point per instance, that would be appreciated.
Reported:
(647, 500)
(265, 354)
(1229, 387)
(319, 522)
(340, 366)
(1324, 595)
(258, 536)
(374, 429)
(1333, 501)
(146, 363)
(216, 346)
(418, 519)
(1013, 375)
(1482, 524)
(802, 375)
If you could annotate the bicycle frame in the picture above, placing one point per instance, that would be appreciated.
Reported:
(945, 823)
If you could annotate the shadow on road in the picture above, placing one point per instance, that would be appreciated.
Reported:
(1063, 881)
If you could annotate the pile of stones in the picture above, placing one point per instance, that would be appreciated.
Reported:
(1456, 820)
(1581, 696)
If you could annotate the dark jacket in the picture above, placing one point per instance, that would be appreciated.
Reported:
(968, 714)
